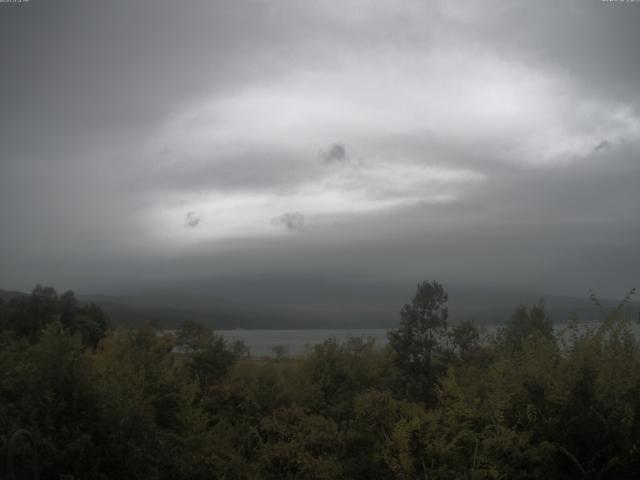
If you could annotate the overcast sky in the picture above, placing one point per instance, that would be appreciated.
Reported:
(484, 142)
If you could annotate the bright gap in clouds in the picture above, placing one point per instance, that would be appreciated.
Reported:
(532, 117)
(361, 189)
(453, 94)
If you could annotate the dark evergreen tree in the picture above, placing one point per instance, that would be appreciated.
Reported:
(419, 340)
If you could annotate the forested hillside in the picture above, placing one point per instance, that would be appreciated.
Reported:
(438, 402)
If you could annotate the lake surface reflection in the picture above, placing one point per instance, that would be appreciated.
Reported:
(264, 343)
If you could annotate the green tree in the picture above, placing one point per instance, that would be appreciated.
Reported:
(334, 373)
(420, 339)
(207, 354)
(465, 338)
(88, 320)
(28, 316)
(526, 322)
(46, 388)
(148, 411)
(297, 445)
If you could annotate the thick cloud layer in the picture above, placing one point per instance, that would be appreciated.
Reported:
(481, 141)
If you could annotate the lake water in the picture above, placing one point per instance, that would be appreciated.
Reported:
(261, 343)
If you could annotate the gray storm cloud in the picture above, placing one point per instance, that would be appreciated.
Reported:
(335, 154)
(495, 140)
(292, 221)
(603, 145)
(192, 220)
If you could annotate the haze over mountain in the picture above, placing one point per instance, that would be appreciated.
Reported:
(367, 143)
(316, 302)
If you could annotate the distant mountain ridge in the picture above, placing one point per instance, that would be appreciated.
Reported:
(303, 302)
(9, 294)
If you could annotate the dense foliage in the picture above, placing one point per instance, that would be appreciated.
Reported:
(438, 402)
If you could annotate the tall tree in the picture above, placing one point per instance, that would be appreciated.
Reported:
(208, 356)
(419, 338)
